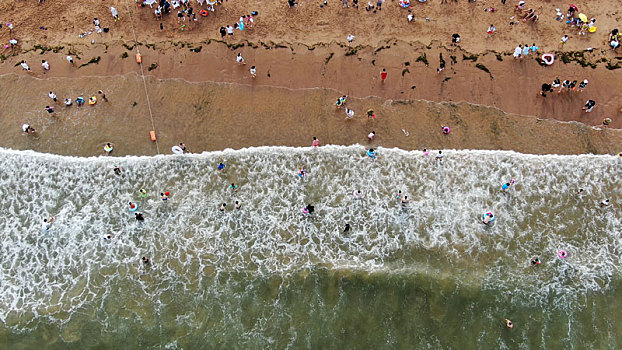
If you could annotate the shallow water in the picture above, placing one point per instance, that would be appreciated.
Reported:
(429, 275)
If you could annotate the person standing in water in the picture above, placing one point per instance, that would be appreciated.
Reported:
(47, 223)
(233, 187)
(316, 142)
(347, 228)
(139, 217)
(164, 197)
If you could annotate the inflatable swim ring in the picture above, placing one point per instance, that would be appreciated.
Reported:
(108, 149)
(562, 254)
(305, 211)
(132, 209)
(92, 100)
(177, 150)
(446, 130)
(204, 13)
(592, 30)
(620, 154)
(548, 58)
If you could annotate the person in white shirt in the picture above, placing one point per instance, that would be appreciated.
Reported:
(253, 72)
(240, 59)
(52, 96)
(25, 66)
(70, 60)
(371, 135)
(47, 223)
(45, 65)
(518, 51)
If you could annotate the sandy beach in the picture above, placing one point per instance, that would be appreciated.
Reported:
(302, 72)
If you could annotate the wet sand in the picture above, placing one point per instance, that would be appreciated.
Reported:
(208, 116)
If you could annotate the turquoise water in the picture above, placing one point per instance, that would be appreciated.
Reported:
(428, 275)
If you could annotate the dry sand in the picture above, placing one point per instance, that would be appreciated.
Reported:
(303, 64)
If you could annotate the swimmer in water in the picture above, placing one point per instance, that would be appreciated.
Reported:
(487, 218)
(509, 324)
(164, 197)
(506, 186)
(302, 173)
(221, 166)
(238, 205)
(233, 187)
(146, 260)
(347, 228)
(604, 203)
(108, 238)
(117, 170)
(132, 206)
(405, 201)
(425, 152)
(398, 195)
(579, 191)
(47, 223)
(535, 261)
(358, 194)
(222, 207)
(139, 217)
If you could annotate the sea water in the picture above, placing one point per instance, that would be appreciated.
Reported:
(425, 275)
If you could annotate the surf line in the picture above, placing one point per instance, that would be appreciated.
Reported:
(142, 72)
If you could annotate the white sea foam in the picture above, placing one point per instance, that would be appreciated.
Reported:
(52, 274)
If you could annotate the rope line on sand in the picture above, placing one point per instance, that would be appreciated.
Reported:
(142, 72)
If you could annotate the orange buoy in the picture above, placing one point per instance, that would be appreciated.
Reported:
(139, 58)
(152, 134)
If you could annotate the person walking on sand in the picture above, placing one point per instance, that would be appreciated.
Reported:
(115, 13)
(240, 59)
(316, 142)
(589, 105)
(45, 65)
(253, 72)
(28, 129)
(371, 135)
(582, 85)
(518, 51)
(49, 109)
(525, 50)
(491, 30)
(370, 114)
(103, 95)
(563, 41)
(546, 87)
(349, 113)
(383, 74)
(230, 30)
(24, 66)
(52, 96)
